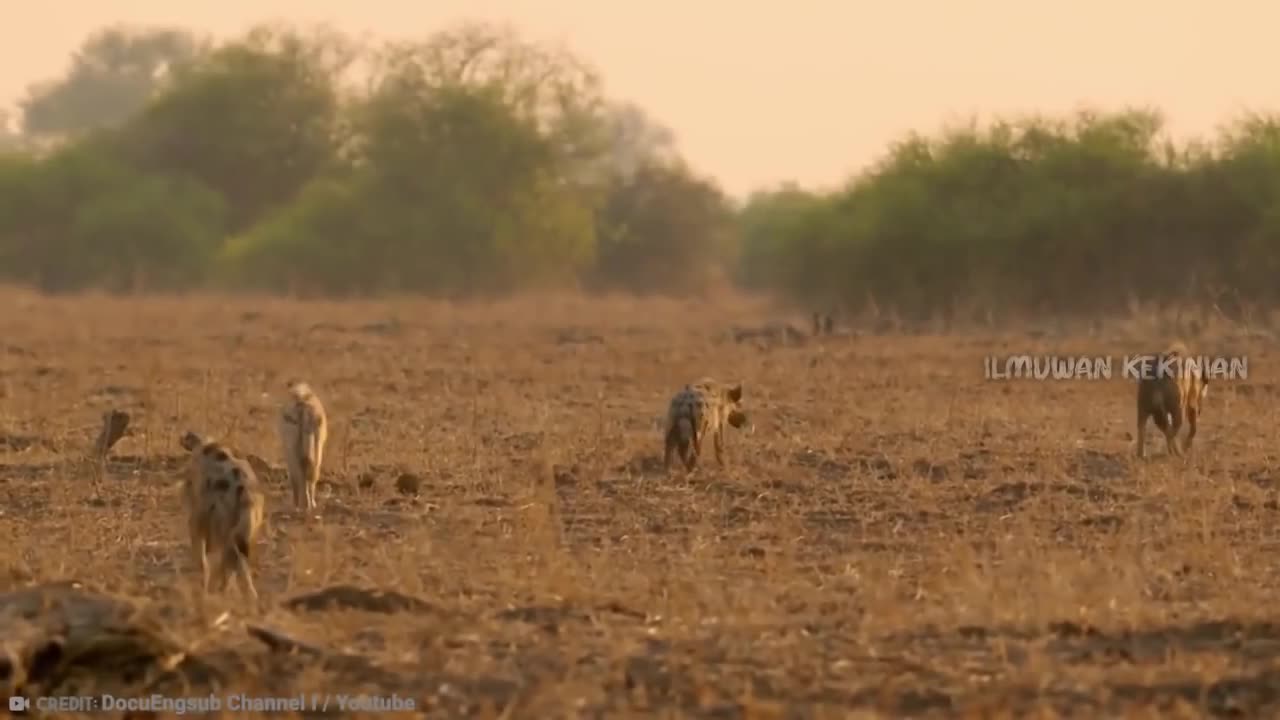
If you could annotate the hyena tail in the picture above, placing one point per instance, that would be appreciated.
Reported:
(308, 449)
(239, 553)
(191, 440)
(306, 463)
(240, 541)
(684, 430)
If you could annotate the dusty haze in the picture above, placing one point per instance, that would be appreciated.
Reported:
(807, 91)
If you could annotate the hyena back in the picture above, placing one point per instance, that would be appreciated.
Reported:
(700, 409)
(304, 429)
(1168, 398)
(225, 509)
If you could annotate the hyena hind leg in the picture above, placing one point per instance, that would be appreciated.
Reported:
(691, 455)
(233, 562)
(672, 444)
(239, 565)
(1164, 423)
(297, 483)
(1142, 434)
(1192, 418)
(292, 479)
(1175, 425)
(199, 554)
(220, 575)
(305, 488)
(202, 562)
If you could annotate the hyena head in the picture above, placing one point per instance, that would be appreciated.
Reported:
(735, 414)
(215, 453)
(298, 388)
(209, 457)
(190, 441)
(218, 465)
(1200, 392)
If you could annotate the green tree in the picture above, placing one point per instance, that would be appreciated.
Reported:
(255, 119)
(774, 232)
(662, 229)
(636, 140)
(84, 218)
(548, 87)
(1078, 215)
(466, 176)
(112, 76)
(150, 232)
(332, 240)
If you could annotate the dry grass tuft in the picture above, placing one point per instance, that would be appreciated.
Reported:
(898, 537)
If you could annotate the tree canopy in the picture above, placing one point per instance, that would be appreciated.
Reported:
(475, 162)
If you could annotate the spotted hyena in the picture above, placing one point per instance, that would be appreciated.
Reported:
(1169, 391)
(304, 429)
(225, 509)
(700, 409)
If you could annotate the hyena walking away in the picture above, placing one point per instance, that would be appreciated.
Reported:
(1170, 390)
(225, 508)
(700, 409)
(304, 429)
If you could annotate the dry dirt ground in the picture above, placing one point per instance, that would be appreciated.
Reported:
(898, 536)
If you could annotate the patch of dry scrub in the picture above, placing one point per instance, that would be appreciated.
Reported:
(898, 536)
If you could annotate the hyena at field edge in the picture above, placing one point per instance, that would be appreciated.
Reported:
(225, 508)
(1169, 397)
(701, 409)
(304, 429)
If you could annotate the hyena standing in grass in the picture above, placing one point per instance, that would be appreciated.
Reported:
(1169, 390)
(304, 429)
(700, 409)
(225, 509)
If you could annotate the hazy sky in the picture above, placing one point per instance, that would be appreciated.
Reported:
(811, 90)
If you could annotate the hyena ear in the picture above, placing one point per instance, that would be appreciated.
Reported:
(735, 393)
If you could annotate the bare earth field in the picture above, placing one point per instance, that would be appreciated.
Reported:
(898, 537)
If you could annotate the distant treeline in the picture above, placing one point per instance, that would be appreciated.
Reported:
(1088, 215)
(475, 162)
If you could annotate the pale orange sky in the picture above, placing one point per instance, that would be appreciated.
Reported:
(811, 90)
